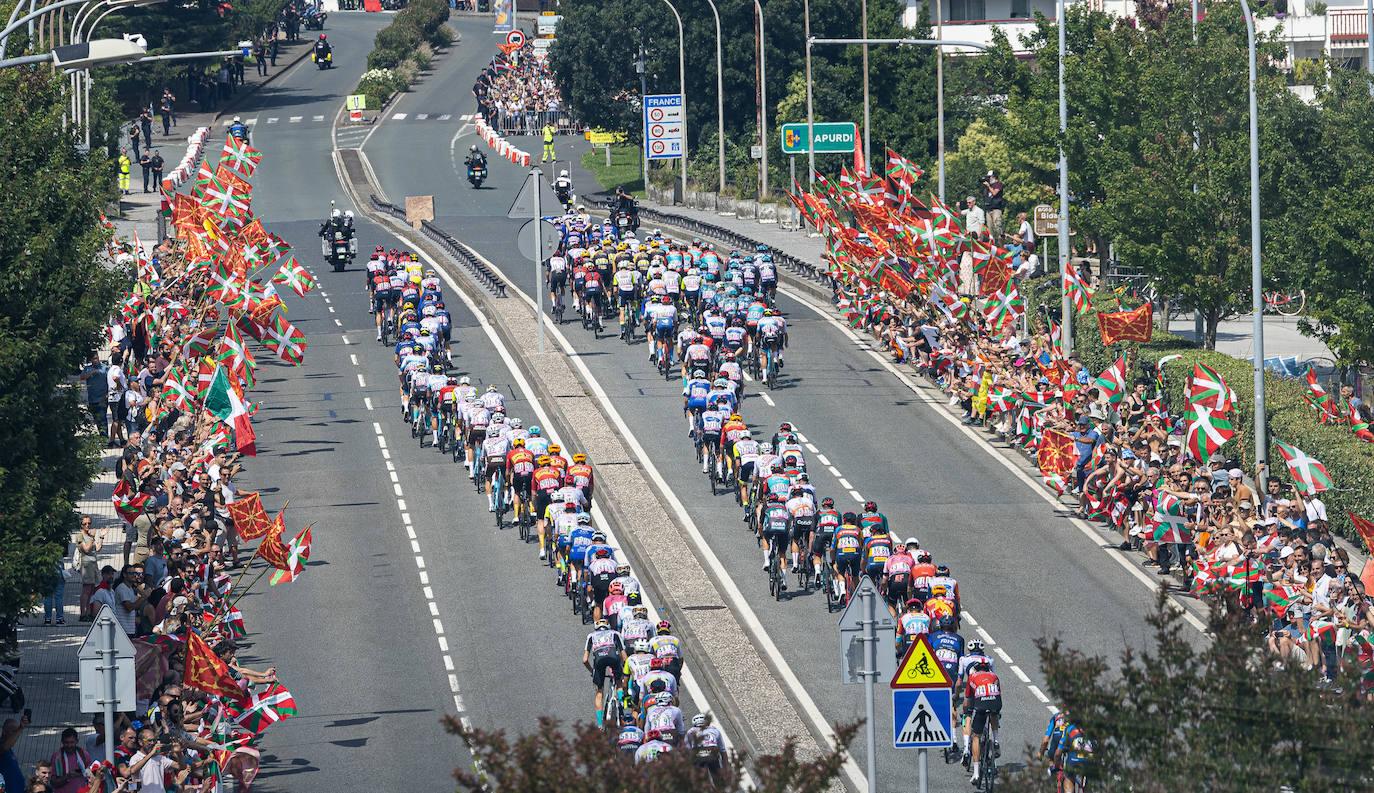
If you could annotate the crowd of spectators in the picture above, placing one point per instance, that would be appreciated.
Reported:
(517, 95)
(176, 570)
(1269, 556)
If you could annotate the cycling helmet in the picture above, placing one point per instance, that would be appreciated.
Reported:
(617, 588)
(698, 374)
(942, 570)
(632, 597)
(923, 556)
(517, 423)
(665, 300)
(947, 623)
(603, 623)
(664, 626)
(535, 430)
(622, 568)
(641, 612)
(767, 448)
(465, 380)
(518, 443)
(870, 506)
(491, 389)
(555, 448)
(849, 517)
(579, 458)
(599, 536)
(642, 645)
(912, 542)
(982, 666)
(786, 426)
(915, 603)
(498, 417)
(569, 506)
(975, 646)
(653, 735)
(700, 720)
(827, 502)
(543, 459)
(563, 173)
(493, 431)
(584, 518)
(662, 698)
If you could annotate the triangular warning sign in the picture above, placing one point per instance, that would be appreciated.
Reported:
(922, 725)
(920, 669)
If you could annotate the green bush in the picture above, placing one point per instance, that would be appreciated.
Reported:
(419, 23)
(1349, 460)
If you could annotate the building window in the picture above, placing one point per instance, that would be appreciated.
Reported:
(1020, 9)
(966, 10)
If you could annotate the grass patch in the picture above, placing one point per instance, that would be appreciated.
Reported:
(625, 169)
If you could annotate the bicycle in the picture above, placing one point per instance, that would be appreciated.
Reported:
(827, 583)
(713, 461)
(1285, 304)
(627, 323)
(776, 578)
(987, 759)
(521, 518)
(610, 711)
(498, 496)
(770, 374)
(558, 308)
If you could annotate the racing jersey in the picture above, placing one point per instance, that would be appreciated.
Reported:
(537, 444)
(983, 688)
(651, 750)
(695, 391)
(604, 643)
(732, 430)
(581, 540)
(520, 462)
(635, 629)
(666, 646)
(827, 522)
(581, 474)
(492, 400)
(877, 549)
(546, 479)
(665, 718)
(966, 663)
(697, 352)
(778, 485)
(948, 647)
(630, 738)
(567, 493)
(899, 563)
(913, 623)
(494, 449)
(628, 584)
(747, 450)
(775, 519)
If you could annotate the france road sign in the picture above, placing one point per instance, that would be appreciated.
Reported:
(829, 137)
(664, 125)
(922, 718)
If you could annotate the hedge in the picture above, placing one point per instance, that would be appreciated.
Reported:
(1349, 460)
(403, 48)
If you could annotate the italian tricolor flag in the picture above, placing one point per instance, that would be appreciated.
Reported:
(227, 405)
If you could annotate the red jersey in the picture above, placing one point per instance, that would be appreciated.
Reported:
(520, 462)
(581, 474)
(546, 479)
(559, 463)
(983, 687)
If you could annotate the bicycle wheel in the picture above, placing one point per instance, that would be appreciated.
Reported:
(497, 498)
(1293, 307)
(711, 470)
(611, 709)
(987, 762)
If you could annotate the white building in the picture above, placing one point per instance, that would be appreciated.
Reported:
(1338, 31)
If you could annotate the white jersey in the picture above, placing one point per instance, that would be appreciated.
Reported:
(492, 400)
(494, 448)
(565, 494)
(558, 264)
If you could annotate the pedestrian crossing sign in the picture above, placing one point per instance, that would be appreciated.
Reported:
(922, 718)
(920, 668)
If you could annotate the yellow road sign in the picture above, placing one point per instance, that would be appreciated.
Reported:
(920, 668)
(356, 102)
(599, 138)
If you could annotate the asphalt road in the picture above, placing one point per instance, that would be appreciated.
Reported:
(1025, 572)
(412, 607)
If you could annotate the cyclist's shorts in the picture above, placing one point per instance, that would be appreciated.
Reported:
(521, 483)
(847, 563)
(626, 298)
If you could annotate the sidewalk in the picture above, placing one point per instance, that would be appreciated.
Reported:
(47, 655)
(137, 212)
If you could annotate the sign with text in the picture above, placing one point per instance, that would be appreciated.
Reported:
(828, 137)
(664, 126)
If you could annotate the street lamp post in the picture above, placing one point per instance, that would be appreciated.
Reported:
(940, 96)
(720, 101)
(810, 155)
(863, 33)
(1256, 296)
(763, 102)
(1065, 260)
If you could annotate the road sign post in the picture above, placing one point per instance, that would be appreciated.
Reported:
(863, 626)
(922, 706)
(827, 137)
(528, 204)
(106, 672)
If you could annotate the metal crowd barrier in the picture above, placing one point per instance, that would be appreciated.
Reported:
(461, 253)
(508, 124)
(796, 266)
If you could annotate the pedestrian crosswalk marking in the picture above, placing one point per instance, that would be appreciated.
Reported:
(465, 117)
(445, 117)
(317, 118)
(399, 117)
(295, 119)
(922, 725)
(271, 121)
(250, 122)
(421, 116)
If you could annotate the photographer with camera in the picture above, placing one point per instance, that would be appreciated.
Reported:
(994, 203)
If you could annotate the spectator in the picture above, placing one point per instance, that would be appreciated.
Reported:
(994, 202)
(1025, 230)
(94, 374)
(975, 220)
(116, 383)
(260, 56)
(134, 138)
(145, 127)
(150, 764)
(156, 164)
(88, 546)
(131, 595)
(10, 770)
(273, 45)
(222, 81)
(146, 162)
(54, 600)
(69, 764)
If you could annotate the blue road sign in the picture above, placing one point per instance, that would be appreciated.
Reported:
(922, 718)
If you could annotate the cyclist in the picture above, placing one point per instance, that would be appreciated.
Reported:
(746, 456)
(654, 745)
(827, 523)
(848, 553)
(773, 334)
(897, 575)
(630, 737)
(583, 477)
(556, 274)
(713, 419)
(774, 534)
(601, 569)
(801, 510)
(638, 626)
(494, 450)
(667, 648)
(664, 316)
(729, 433)
(982, 706)
(664, 716)
(1075, 753)
(948, 646)
(871, 518)
(706, 743)
(545, 481)
(694, 393)
(604, 652)
(877, 548)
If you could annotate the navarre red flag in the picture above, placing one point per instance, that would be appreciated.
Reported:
(271, 548)
(206, 671)
(250, 519)
(1134, 325)
(1366, 529)
(297, 554)
(1057, 454)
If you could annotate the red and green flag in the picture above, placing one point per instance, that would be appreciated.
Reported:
(1358, 425)
(264, 709)
(294, 275)
(297, 554)
(1309, 475)
(1208, 430)
(286, 341)
(1112, 381)
(1207, 388)
(224, 402)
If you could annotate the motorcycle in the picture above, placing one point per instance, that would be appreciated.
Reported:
(625, 219)
(324, 63)
(566, 198)
(339, 249)
(477, 174)
(315, 21)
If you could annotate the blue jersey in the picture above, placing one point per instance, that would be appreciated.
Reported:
(412, 327)
(445, 321)
(949, 648)
(581, 540)
(696, 391)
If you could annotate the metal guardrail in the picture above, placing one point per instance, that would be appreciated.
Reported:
(798, 267)
(461, 253)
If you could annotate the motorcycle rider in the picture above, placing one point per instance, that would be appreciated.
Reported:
(624, 202)
(239, 130)
(322, 48)
(336, 222)
(563, 188)
(475, 157)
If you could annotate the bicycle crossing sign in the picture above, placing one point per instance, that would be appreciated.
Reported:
(920, 668)
(922, 718)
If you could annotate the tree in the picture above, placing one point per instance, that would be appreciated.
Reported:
(1220, 715)
(54, 299)
(585, 760)
(1326, 244)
